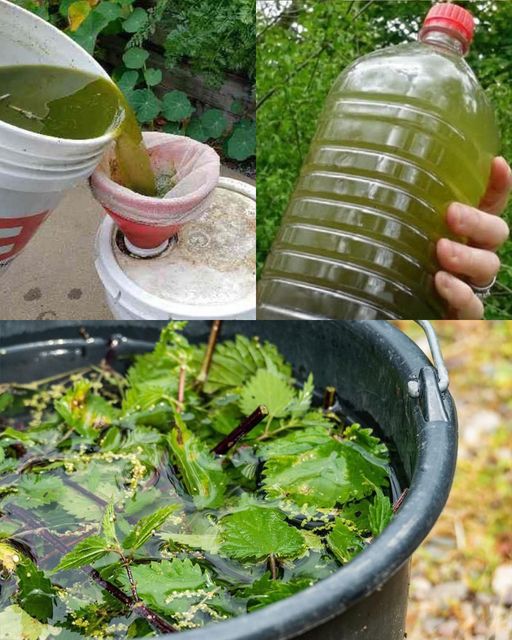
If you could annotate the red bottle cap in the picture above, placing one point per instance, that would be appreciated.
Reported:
(451, 16)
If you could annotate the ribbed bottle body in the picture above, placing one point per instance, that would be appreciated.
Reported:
(404, 132)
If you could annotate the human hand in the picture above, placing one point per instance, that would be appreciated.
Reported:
(477, 261)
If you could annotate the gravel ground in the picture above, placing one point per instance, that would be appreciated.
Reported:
(461, 586)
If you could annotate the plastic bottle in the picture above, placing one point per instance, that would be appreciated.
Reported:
(405, 131)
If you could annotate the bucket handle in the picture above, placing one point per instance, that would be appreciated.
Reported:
(443, 381)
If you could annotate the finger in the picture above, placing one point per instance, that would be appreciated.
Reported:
(478, 265)
(500, 184)
(483, 230)
(459, 296)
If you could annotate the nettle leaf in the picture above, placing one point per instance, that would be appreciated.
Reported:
(145, 104)
(214, 122)
(35, 591)
(108, 526)
(135, 58)
(157, 579)
(208, 542)
(152, 77)
(196, 130)
(84, 411)
(344, 541)
(265, 590)
(36, 490)
(242, 142)
(257, 532)
(365, 441)
(176, 106)
(6, 400)
(302, 468)
(201, 472)
(302, 402)
(137, 20)
(270, 389)
(85, 552)
(146, 527)
(380, 513)
(235, 361)
(17, 624)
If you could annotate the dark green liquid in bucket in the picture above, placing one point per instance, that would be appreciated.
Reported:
(66, 103)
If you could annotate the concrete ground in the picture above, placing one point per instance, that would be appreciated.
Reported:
(54, 278)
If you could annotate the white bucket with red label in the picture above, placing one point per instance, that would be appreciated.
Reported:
(36, 170)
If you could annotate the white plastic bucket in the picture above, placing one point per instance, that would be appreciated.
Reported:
(36, 170)
(128, 300)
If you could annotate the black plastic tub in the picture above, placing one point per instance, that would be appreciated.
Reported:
(371, 365)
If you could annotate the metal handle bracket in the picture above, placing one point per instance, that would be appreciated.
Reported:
(435, 349)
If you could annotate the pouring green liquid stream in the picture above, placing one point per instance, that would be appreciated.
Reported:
(66, 103)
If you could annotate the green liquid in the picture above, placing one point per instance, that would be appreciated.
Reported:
(404, 132)
(66, 103)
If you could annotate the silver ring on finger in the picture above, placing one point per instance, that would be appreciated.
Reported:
(483, 292)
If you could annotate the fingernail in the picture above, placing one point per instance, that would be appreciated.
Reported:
(445, 281)
(457, 214)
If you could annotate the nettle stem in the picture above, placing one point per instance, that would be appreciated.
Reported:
(160, 624)
(272, 563)
(329, 398)
(259, 414)
(181, 388)
(202, 377)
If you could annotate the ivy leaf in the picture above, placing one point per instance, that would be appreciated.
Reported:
(135, 57)
(36, 592)
(242, 142)
(17, 624)
(147, 526)
(108, 525)
(380, 513)
(344, 541)
(257, 532)
(267, 388)
(214, 122)
(196, 130)
(265, 590)
(152, 77)
(200, 471)
(176, 106)
(145, 104)
(137, 20)
(85, 552)
(157, 579)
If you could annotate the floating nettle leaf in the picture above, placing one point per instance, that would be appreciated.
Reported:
(147, 527)
(266, 590)
(85, 552)
(200, 471)
(36, 593)
(17, 624)
(257, 533)
(380, 513)
(345, 541)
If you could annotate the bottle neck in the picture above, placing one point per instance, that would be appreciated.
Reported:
(444, 39)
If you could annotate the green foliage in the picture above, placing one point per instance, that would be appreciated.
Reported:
(131, 516)
(213, 39)
(257, 533)
(344, 540)
(295, 73)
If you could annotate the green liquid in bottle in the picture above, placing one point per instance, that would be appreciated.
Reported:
(405, 131)
(66, 103)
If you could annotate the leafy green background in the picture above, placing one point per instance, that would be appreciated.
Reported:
(214, 39)
(303, 49)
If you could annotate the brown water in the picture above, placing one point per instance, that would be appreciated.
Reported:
(66, 103)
